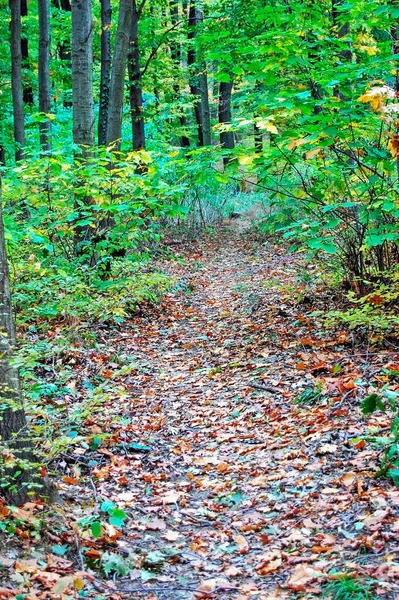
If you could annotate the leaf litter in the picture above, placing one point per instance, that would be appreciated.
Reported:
(217, 481)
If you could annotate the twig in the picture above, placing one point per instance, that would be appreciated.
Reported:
(93, 487)
(79, 553)
(383, 353)
(340, 403)
(179, 588)
(265, 388)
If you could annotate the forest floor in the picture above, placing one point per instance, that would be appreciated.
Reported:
(235, 447)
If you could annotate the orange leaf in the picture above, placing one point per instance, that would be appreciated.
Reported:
(242, 543)
(302, 575)
(70, 480)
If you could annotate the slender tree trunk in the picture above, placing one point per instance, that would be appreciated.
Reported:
(18, 475)
(64, 47)
(44, 72)
(82, 72)
(82, 99)
(395, 52)
(16, 78)
(341, 30)
(135, 84)
(114, 126)
(226, 137)
(27, 88)
(258, 138)
(198, 79)
(176, 54)
(106, 17)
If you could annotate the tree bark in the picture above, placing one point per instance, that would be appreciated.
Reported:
(395, 52)
(19, 479)
(198, 79)
(16, 78)
(44, 72)
(27, 88)
(114, 126)
(64, 47)
(226, 137)
(135, 84)
(106, 17)
(82, 71)
(176, 54)
(82, 99)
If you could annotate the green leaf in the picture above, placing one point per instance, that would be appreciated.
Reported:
(96, 529)
(116, 522)
(371, 403)
(95, 443)
(107, 506)
(394, 474)
(60, 550)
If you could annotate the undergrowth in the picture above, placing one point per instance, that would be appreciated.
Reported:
(348, 588)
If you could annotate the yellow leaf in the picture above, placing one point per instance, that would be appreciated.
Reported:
(313, 153)
(245, 160)
(267, 125)
(295, 143)
(393, 146)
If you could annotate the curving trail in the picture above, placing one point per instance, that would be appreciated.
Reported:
(244, 494)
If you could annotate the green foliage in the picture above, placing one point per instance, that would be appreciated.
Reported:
(348, 588)
(310, 396)
(375, 312)
(387, 400)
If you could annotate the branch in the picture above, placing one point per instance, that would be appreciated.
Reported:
(157, 47)
(141, 8)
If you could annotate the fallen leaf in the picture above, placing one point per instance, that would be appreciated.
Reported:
(348, 479)
(171, 536)
(242, 543)
(156, 525)
(302, 575)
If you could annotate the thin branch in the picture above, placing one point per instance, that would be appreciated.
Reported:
(155, 50)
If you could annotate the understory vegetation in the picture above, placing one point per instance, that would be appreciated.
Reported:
(199, 206)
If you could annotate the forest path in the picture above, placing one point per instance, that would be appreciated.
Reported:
(228, 488)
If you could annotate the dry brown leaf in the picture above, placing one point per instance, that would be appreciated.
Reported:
(302, 575)
(171, 497)
(27, 566)
(156, 525)
(47, 579)
(242, 543)
(327, 449)
(348, 479)
(171, 536)
(375, 518)
(270, 567)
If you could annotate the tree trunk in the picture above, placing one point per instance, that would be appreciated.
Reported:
(341, 30)
(106, 17)
(395, 52)
(82, 99)
(16, 78)
(82, 71)
(27, 88)
(198, 79)
(44, 72)
(114, 126)
(18, 476)
(258, 138)
(176, 54)
(64, 47)
(226, 137)
(135, 85)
